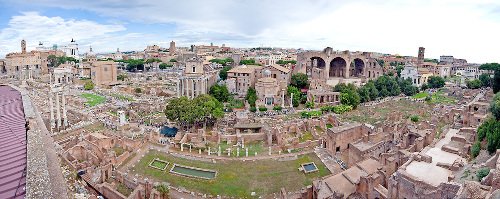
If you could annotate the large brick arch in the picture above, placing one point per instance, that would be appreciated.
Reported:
(338, 67)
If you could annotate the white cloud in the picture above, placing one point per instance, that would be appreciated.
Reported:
(33, 27)
(463, 28)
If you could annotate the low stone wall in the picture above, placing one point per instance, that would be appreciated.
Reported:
(108, 192)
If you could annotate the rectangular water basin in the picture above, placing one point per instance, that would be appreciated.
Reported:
(309, 167)
(193, 172)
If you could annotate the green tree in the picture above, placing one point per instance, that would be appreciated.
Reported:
(223, 72)
(372, 89)
(135, 64)
(364, 94)
(424, 87)
(342, 87)
(251, 96)
(407, 87)
(172, 60)
(52, 61)
(476, 148)
(435, 82)
(495, 106)
(284, 62)
(223, 62)
(481, 173)
(296, 95)
(253, 109)
(138, 90)
(496, 78)
(399, 68)
(350, 97)
(121, 77)
(164, 66)
(220, 92)
(299, 80)
(163, 190)
(203, 109)
(485, 80)
(473, 84)
(152, 60)
(89, 85)
(248, 62)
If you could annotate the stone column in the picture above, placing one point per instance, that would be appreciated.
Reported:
(291, 100)
(184, 87)
(283, 99)
(52, 121)
(65, 117)
(58, 111)
(192, 88)
(178, 88)
(246, 152)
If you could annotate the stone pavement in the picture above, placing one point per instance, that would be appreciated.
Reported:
(57, 180)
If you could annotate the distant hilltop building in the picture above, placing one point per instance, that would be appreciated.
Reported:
(28, 65)
(420, 58)
(71, 49)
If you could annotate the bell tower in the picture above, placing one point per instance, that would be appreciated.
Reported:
(23, 46)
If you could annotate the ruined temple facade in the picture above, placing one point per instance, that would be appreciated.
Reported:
(335, 67)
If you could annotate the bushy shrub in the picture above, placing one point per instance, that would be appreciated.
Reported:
(262, 108)
(414, 118)
(253, 109)
(476, 148)
(277, 108)
(481, 173)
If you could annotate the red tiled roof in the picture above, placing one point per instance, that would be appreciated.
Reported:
(12, 144)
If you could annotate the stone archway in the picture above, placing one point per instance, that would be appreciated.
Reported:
(338, 67)
(357, 68)
(4, 70)
(316, 62)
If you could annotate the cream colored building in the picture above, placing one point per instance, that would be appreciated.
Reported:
(196, 79)
(268, 90)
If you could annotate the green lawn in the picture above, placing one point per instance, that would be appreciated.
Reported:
(93, 99)
(420, 95)
(237, 178)
(159, 164)
(439, 98)
(306, 136)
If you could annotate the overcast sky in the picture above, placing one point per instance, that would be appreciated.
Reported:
(467, 29)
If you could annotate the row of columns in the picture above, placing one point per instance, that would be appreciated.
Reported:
(58, 121)
(192, 87)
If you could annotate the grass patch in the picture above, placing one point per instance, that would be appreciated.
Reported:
(439, 98)
(93, 99)
(421, 95)
(118, 150)
(237, 178)
(306, 136)
(120, 187)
